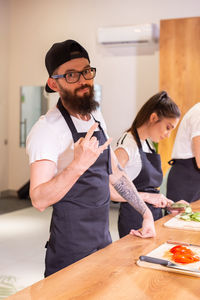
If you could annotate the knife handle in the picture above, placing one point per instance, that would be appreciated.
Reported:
(154, 260)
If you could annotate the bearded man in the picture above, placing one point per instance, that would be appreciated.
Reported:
(71, 163)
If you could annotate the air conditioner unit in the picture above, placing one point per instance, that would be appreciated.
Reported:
(143, 33)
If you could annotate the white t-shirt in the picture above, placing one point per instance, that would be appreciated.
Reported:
(134, 164)
(50, 138)
(188, 129)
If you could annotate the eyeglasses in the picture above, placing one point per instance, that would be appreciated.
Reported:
(73, 77)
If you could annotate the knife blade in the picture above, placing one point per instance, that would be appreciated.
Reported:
(167, 263)
(182, 243)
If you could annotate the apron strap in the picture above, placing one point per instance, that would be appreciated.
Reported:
(109, 149)
(139, 142)
(66, 116)
(152, 150)
(137, 139)
(73, 129)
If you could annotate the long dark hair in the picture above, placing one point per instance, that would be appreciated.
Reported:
(161, 104)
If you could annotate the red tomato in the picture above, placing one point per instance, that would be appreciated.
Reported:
(185, 251)
(183, 258)
(177, 248)
(196, 258)
(183, 255)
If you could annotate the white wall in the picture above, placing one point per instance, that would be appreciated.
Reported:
(128, 77)
(4, 79)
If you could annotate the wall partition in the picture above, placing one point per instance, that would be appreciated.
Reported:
(179, 69)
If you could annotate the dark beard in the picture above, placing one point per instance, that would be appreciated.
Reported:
(82, 105)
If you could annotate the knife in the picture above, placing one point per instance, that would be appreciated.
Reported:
(182, 243)
(166, 263)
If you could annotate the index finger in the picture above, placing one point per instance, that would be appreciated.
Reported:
(91, 131)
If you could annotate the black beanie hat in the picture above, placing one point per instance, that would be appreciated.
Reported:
(60, 53)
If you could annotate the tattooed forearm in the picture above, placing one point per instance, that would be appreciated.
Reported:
(129, 193)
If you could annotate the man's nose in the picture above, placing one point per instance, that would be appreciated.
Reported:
(81, 79)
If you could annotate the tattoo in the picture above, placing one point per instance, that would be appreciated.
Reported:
(128, 191)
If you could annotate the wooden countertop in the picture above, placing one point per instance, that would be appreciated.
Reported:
(112, 273)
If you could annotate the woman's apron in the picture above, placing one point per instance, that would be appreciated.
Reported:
(183, 180)
(80, 220)
(149, 178)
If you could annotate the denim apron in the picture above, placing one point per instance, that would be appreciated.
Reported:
(183, 181)
(148, 180)
(80, 220)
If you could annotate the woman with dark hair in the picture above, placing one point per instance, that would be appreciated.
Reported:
(136, 153)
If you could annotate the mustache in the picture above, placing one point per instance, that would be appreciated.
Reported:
(83, 87)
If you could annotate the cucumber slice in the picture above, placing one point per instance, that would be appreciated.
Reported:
(188, 210)
(185, 217)
(178, 205)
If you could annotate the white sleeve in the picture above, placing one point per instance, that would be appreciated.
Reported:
(128, 143)
(134, 164)
(42, 143)
(195, 126)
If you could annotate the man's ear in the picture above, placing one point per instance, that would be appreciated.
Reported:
(52, 84)
(153, 118)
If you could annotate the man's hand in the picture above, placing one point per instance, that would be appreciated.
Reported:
(157, 200)
(46, 188)
(148, 228)
(87, 149)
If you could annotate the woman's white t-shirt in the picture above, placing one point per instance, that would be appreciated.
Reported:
(188, 129)
(134, 164)
(51, 139)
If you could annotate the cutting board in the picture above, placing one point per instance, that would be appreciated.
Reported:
(177, 223)
(160, 253)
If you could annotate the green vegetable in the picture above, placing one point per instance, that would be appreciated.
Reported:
(195, 216)
(192, 216)
(185, 217)
(178, 205)
(188, 210)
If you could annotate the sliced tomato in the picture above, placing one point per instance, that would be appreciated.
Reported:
(182, 258)
(185, 251)
(177, 248)
(181, 249)
(196, 258)
(183, 255)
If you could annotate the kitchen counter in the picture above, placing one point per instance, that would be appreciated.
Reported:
(112, 273)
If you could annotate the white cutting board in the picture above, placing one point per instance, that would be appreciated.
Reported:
(177, 223)
(160, 253)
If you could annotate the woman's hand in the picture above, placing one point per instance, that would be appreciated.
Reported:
(175, 211)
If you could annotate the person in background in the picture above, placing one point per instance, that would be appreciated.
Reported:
(71, 163)
(184, 176)
(136, 153)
